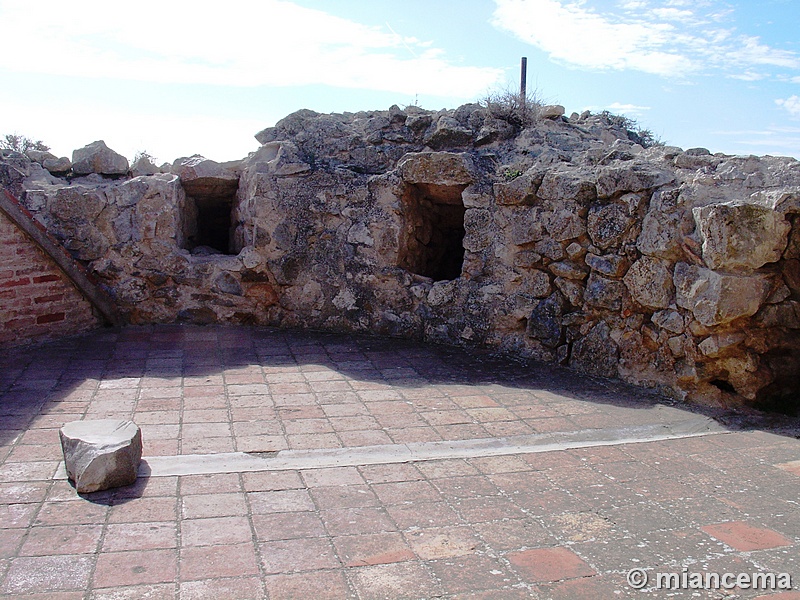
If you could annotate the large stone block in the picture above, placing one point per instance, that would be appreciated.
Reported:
(716, 298)
(649, 281)
(98, 158)
(101, 454)
(741, 236)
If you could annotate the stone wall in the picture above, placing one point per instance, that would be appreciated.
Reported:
(37, 301)
(566, 241)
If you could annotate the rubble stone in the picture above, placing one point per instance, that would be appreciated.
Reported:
(101, 454)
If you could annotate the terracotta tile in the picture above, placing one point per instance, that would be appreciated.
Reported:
(312, 441)
(217, 483)
(332, 476)
(202, 506)
(302, 554)
(61, 539)
(216, 530)
(288, 525)
(422, 515)
(71, 512)
(240, 588)
(389, 473)
(140, 536)
(319, 585)
(585, 588)
(406, 492)
(137, 592)
(271, 481)
(280, 501)
(28, 471)
(208, 562)
(10, 540)
(371, 437)
(16, 515)
(144, 510)
(135, 567)
(39, 574)
(470, 486)
(443, 542)
(353, 521)
(344, 496)
(209, 445)
(745, 537)
(471, 573)
(373, 549)
(396, 580)
(514, 534)
(549, 564)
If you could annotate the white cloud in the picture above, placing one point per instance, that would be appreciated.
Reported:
(270, 42)
(572, 34)
(791, 105)
(664, 37)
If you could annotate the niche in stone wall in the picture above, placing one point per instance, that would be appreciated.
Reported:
(212, 227)
(434, 231)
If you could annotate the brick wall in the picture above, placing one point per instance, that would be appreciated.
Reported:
(37, 300)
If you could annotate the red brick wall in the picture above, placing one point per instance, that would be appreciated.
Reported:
(37, 300)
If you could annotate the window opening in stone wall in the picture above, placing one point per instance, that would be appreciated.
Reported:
(212, 230)
(435, 231)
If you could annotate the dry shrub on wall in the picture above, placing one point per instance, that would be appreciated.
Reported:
(511, 107)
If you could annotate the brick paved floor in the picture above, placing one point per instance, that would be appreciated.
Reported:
(562, 524)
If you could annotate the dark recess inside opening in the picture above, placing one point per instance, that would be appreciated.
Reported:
(435, 231)
(213, 223)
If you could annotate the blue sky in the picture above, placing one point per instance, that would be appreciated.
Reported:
(176, 78)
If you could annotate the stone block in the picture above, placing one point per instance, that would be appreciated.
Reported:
(101, 454)
(716, 298)
(741, 236)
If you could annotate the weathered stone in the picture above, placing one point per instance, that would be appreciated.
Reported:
(607, 225)
(567, 270)
(671, 320)
(478, 230)
(544, 323)
(558, 185)
(612, 265)
(740, 236)
(58, 166)
(604, 293)
(572, 290)
(227, 284)
(439, 168)
(596, 353)
(565, 225)
(649, 281)
(143, 166)
(448, 132)
(526, 226)
(98, 158)
(630, 177)
(550, 111)
(101, 454)
(520, 190)
(714, 298)
(661, 234)
(720, 344)
(203, 177)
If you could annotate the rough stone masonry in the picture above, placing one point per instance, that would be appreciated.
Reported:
(567, 241)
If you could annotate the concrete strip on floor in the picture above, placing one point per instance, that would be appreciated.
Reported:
(287, 460)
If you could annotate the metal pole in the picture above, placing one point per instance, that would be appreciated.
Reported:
(523, 80)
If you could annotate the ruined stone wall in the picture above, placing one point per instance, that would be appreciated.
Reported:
(566, 241)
